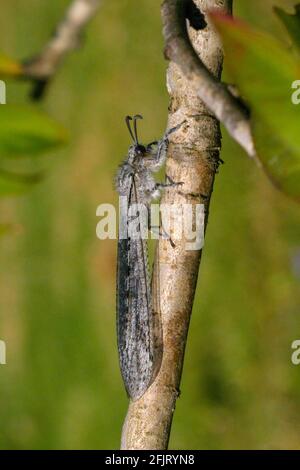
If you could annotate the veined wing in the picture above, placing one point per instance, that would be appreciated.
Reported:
(136, 324)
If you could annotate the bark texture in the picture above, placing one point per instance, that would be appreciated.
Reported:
(217, 96)
(193, 159)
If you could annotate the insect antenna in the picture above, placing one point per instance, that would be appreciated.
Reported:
(127, 120)
(135, 118)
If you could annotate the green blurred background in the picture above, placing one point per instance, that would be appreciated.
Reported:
(61, 387)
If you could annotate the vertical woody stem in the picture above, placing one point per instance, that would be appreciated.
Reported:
(67, 37)
(193, 159)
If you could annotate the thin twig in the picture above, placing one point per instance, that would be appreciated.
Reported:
(66, 38)
(216, 95)
(193, 158)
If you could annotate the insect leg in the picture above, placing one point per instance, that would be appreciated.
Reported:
(162, 233)
(174, 129)
(161, 154)
(163, 144)
(168, 185)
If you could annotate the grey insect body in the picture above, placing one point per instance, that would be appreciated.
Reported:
(138, 315)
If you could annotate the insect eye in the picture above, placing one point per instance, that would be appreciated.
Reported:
(140, 150)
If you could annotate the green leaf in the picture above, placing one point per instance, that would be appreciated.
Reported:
(9, 67)
(16, 184)
(26, 130)
(291, 22)
(265, 71)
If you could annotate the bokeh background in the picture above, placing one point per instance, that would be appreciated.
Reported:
(61, 387)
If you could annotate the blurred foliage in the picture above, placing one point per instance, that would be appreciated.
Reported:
(264, 70)
(61, 387)
(24, 130)
(15, 183)
(9, 67)
(291, 22)
(5, 228)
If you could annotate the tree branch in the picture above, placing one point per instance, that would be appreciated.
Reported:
(66, 38)
(193, 158)
(216, 95)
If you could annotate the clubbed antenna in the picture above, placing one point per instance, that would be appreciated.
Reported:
(127, 120)
(135, 118)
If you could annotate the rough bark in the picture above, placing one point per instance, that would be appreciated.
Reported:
(230, 110)
(193, 159)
